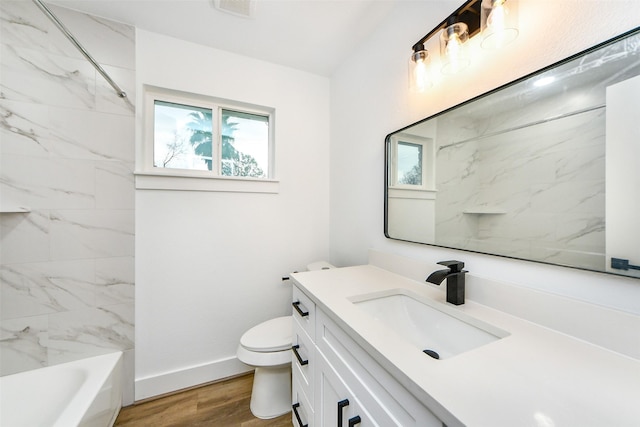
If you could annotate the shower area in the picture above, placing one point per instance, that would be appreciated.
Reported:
(66, 189)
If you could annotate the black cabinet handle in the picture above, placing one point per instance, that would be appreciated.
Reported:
(355, 420)
(341, 406)
(295, 411)
(296, 305)
(295, 351)
(623, 264)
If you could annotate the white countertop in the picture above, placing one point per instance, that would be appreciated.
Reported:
(533, 377)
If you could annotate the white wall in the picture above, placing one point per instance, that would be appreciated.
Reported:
(623, 176)
(370, 98)
(209, 265)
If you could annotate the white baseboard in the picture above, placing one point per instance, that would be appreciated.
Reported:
(188, 377)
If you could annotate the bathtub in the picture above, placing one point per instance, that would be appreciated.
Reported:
(86, 392)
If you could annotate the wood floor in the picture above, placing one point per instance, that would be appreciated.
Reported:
(224, 404)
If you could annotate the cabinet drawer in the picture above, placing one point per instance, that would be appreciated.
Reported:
(337, 404)
(303, 361)
(384, 397)
(304, 311)
(302, 410)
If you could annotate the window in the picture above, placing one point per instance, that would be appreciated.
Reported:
(193, 136)
(182, 136)
(409, 163)
(412, 162)
(245, 144)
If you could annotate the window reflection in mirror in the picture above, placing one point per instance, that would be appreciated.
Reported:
(409, 171)
(412, 162)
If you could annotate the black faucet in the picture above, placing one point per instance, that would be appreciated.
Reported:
(455, 280)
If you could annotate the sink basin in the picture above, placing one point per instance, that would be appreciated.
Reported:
(427, 324)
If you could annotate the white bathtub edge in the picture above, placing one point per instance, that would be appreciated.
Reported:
(85, 392)
(102, 384)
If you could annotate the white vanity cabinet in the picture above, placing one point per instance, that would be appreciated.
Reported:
(336, 383)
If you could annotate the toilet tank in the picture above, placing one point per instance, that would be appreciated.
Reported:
(319, 265)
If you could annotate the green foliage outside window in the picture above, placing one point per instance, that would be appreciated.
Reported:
(234, 162)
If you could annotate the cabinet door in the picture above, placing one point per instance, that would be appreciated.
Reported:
(385, 399)
(303, 363)
(304, 311)
(302, 410)
(335, 403)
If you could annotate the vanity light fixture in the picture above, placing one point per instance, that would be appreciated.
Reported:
(495, 19)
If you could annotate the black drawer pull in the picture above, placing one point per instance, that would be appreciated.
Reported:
(355, 420)
(296, 305)
(295, 411)
(341, 406)
(295, 351)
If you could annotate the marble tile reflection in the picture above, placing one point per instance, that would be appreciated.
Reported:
(523, 174)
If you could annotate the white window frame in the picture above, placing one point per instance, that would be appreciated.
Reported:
(428, 162)
(150, 177)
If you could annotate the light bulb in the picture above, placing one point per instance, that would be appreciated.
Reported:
(452, 48)
(499, 23)
(419, 77)
(496, 18)
(455, 63)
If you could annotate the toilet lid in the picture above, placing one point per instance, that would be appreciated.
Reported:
(272, 335)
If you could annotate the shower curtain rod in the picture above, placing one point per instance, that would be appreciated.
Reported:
(82, 50)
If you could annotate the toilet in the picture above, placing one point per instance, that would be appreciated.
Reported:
(267, 347)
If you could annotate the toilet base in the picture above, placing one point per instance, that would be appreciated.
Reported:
(271, 394)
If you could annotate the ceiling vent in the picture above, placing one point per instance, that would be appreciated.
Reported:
(244, 8)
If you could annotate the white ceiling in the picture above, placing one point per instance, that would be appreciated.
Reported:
(310, 35)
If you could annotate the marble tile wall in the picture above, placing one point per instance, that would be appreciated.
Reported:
(457, 183)
(541, 187)
(67, 153)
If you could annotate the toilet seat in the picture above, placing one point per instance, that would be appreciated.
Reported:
(264, 359)
(270, 336)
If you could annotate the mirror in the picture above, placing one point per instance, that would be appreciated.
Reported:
(546, 168)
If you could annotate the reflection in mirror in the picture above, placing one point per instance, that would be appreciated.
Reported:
(546, 168)
(409, 164)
